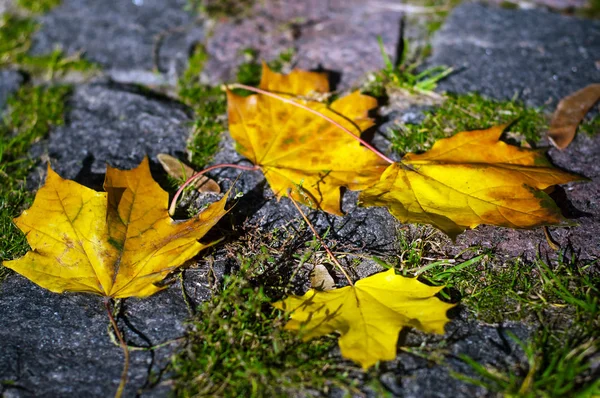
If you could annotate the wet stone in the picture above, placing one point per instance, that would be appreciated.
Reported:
(131, 40)
(533, 55)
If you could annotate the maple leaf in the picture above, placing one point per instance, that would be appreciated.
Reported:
(369, 315)
(570, 112)
(116, 243)
(470, 179)
(300, 151)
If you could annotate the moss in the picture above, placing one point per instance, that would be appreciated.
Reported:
(221, 8)
(237, 348)
(250, 71)
(38, 6)
(209, 104)
(15, 42)
(591, 126)
(15, 38)
(591, 11)
(560, 298)
(467, 112)
(32, 112)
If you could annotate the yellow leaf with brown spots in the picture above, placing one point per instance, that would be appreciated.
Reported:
(369, 315)
(300, 151)
(117, 243)
(470, 179)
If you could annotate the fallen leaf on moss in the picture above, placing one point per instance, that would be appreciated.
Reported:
(299, 151)
(470, 179)
(117, 243)
(569, 113)
(180, 171)
(369, 315)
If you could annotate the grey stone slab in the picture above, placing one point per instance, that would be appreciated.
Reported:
(115, 124)
(55, 345)
(10, 81)
(125, 37)
(337, 36)
(491, 345)
(533, 55)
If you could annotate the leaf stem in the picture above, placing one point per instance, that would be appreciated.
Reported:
(306, 108)
(201, 172)
(321, 241)
(123, 347)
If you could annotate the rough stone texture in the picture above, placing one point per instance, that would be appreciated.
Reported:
(339, 36)
(10, 81)
(121, 36)
(534, 55)
(553, 4)
(57, 345)
(412, 376)
(510, 51)
(114, 123)
(5, 6)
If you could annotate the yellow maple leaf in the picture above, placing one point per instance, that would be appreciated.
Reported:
(470, 179)
(117, 243)
(300, 151)
(369, 315)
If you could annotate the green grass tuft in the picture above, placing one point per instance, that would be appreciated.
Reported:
(404, 74)
(237, 348)
(559, 357)
(468, 112)
(32, 112)
(561, 298)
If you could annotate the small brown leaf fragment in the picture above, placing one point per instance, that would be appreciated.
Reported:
(569, 113)
(179, 170)
(320, 279)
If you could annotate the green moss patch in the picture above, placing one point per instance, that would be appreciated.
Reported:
(15, 42)
(468, 112)
(238, 348)
(38, 6)
(559, 298)
(32, 112)
(210, 106)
